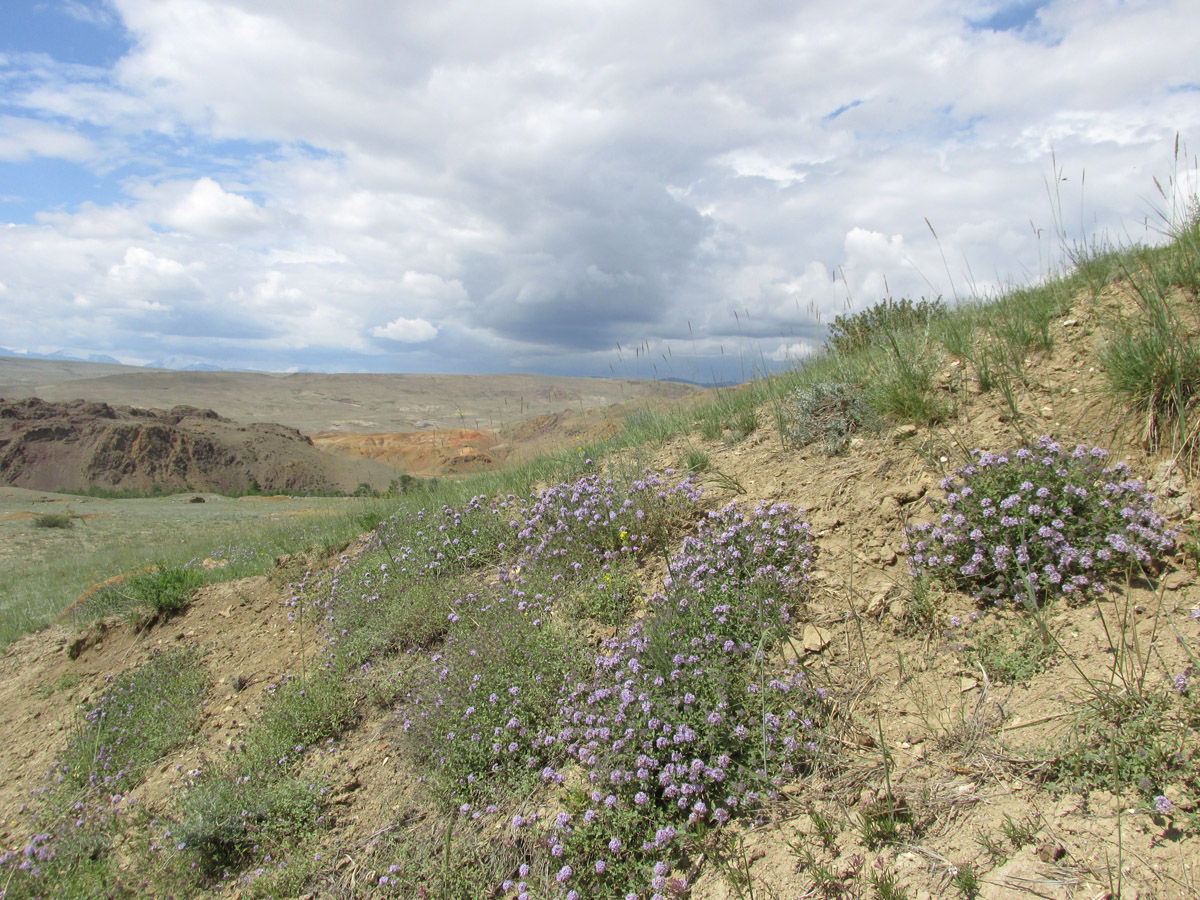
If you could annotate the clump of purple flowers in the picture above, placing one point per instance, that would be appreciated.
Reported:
(1038, 523)
(480, 715)
(675, 729)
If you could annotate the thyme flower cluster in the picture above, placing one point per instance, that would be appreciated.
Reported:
(1038, 523)
(675, 730)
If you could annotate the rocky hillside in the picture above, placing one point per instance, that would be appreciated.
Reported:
(79, 445)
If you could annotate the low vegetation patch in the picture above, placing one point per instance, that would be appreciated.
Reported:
(138, 719)
(1039, 523)
(830, 413)
(53, 520)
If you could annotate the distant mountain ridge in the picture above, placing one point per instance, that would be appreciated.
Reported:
(73, 356)
(62, 354)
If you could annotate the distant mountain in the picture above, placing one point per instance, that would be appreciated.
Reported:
(179, 366)
(704, 384)
(80, 445)
(63, 354)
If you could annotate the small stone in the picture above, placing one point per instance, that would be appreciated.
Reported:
(1051, 851)
(1179, 578)
(1168, 480)
(887, 555)
(968, 684)
(815, 639)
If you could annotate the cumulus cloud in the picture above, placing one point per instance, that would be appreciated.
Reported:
(141, 270)
(407, 331)
(23, 138)
(315, 186)
(208, 210)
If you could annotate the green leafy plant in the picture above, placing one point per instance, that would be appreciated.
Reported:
(53, 520)
(1012, 654)
(871, 327)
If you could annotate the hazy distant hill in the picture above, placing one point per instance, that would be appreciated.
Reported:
(314, 402)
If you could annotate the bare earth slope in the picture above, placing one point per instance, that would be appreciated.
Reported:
(77, 445)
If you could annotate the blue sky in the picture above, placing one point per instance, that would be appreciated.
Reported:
(472, 187)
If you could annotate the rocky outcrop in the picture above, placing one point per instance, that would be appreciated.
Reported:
(79, 445)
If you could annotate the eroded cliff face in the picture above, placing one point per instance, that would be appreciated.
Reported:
(78, 445)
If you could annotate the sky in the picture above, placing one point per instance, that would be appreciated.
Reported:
(574, 187)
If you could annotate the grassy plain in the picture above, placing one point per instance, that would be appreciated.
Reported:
(49, 569)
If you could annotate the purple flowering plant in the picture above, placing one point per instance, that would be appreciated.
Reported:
(480, 715)
(140, 716)
(1038, 523)
(682, 725)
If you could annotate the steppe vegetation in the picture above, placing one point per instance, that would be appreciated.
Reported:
(642, 669)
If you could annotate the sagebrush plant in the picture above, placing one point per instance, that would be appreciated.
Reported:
(829, 412)
(1039, 523)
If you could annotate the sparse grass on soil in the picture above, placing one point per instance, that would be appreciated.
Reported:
(940, 654)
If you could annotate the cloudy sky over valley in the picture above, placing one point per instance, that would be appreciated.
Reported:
(385, 185)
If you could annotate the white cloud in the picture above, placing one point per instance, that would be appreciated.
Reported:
(142, 271)
(207, 210)
(407, 331)
(22, 139)
(546, 181)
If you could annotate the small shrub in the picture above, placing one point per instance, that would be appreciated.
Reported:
(829, 412)
(53, 520)
(885, 884)
(966, 880)
(1020, 833)
(473, 718)
(886, 821)
(870, 327)
(161, 592)
(229, 821)
(1152, 360)
(744, 423)
(697, 460)
(1129, 737)
(681, 725)
(610, 595)
(1038, 523)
